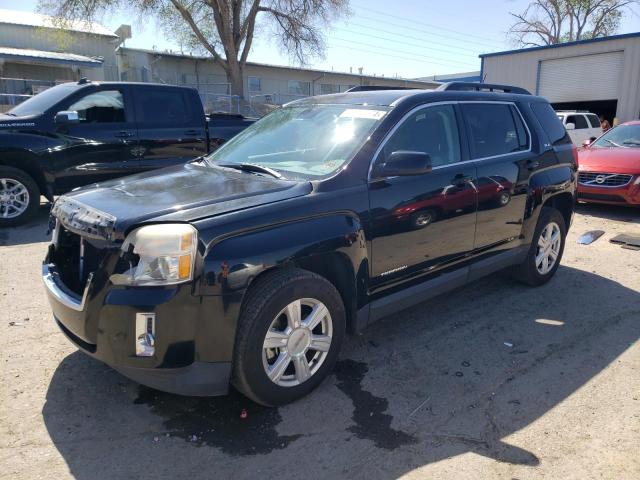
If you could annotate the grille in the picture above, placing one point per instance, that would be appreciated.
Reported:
(595, 179)
(66, 257)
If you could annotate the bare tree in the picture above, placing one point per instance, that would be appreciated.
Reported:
(223, 28)
(547, 22)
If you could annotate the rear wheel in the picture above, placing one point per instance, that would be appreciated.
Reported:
(545, 253)
(19, 197)
(289, 335)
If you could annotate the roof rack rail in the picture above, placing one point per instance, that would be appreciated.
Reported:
(478, 87)
(371, 88)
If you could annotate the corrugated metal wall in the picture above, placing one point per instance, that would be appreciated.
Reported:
(37, 38)
(522, 69)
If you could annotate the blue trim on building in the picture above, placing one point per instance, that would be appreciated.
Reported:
(558, 45)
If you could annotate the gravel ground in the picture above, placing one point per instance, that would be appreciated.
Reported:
(494, 380)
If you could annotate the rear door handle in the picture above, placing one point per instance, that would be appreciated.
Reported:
(123, 134)
(192, 133)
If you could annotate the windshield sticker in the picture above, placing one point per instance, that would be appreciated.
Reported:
(362, 113)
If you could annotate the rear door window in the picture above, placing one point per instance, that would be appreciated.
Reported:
(549, 121)
(164, 107)
(494, 129)
(594, 120)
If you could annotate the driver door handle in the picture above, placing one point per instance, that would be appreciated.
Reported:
(123, 134)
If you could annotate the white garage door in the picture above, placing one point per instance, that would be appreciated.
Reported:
(589, 77)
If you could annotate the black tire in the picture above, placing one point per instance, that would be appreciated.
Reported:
(527, 272)
(34, 196)
(504, 199)
(423, 218)
(268, 296)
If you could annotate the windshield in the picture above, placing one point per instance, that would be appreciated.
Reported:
(38, 104)
(303, 141)
(622, 136)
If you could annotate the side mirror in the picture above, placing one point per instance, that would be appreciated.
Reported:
(588, 142)
(570, 126)
(66, 117)
(402, 163)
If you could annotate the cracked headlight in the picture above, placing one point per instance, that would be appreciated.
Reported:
(165, 252)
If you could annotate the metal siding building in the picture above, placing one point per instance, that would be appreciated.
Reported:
(31, 31)
(601, 75)
(263, 83)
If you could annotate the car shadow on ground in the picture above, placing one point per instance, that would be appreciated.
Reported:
(32, 232)
(454, 375)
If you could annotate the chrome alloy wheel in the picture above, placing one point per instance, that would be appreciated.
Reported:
(424, 219)
(297, 342)
(548, 248)
(14, 198)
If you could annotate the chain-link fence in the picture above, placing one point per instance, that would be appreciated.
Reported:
(216, 97)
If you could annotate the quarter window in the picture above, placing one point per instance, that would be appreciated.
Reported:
(494, 129)
(550, 122)
(432, 130)
(106, 106)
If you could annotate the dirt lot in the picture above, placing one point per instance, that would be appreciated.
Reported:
(495, 380)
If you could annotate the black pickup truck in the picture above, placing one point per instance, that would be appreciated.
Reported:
(75, 134)
(250, 265)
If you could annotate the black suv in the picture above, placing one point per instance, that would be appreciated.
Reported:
(248, 266)
(79, 133)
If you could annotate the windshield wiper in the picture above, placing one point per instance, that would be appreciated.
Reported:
(9, 113)
(631, 142)
(252, 167)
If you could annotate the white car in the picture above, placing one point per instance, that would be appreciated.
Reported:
(580, 126)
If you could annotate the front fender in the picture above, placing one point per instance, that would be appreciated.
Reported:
(232, 263)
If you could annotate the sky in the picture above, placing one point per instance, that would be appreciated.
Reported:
(404, 38)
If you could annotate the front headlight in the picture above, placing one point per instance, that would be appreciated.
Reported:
(166, 255)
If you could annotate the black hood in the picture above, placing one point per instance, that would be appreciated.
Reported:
(185, 193)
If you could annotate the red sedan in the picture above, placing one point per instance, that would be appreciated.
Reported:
(609, 168)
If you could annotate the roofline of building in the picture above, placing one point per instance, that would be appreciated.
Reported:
(283, 67)
(73, 28)
(559, 45)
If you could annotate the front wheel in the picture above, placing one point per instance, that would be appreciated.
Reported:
(19, 197)
(423, 218)
(289, 335)
(545, 253)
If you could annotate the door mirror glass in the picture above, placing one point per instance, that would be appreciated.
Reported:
(405, 163)
(570, 126)
(66, 117)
